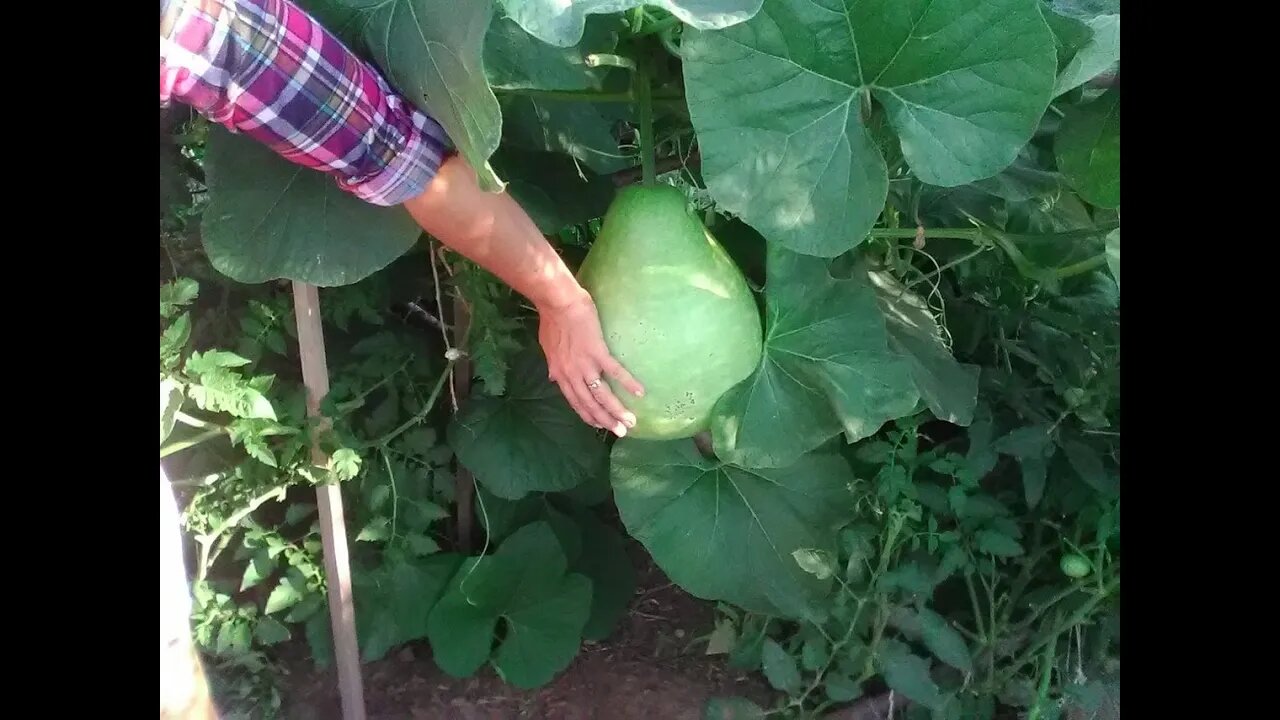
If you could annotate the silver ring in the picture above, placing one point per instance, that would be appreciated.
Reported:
(594, 384)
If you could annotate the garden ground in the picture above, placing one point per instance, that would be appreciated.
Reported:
(653, 667)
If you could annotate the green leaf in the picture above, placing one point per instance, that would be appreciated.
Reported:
(1031, 441)
(826, 366)
(432, 52)
(613, 580)
(201, 363)
(951, 389)
(170, 404)
(392, 602)
(298, 511)
(528, 440)
(377, 530)
(269, 218)
(345, 463)
(553, 190)
(516, 60)
(998, 544)
(284, 596)
(176, 294)
(1035, 471)
(421, 544)
(174, 338)
(1088, 465)
(258, 568)
(962, 83)
(524, 584)
(576, 129)
(907, 673)
(943, 640)
(818, 563)
(780, 668)
(1088, 149)
(1113, 254)
(1100, 51)
(731, 708)
(840, 687)
(724, 532)
(270, 631)
(560, 22)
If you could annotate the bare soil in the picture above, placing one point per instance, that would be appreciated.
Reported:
(651, 668)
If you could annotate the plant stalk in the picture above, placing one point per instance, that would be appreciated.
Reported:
(644, 99)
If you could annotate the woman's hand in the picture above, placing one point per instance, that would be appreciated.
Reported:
(578, 361)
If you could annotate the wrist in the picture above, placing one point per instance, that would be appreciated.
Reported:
(563, 295)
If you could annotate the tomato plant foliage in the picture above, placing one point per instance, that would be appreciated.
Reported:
(924, 196)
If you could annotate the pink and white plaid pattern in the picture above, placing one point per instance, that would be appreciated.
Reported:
(267, 69)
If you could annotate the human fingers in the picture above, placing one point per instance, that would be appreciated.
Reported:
(586, 388)
(615, 370)
(603, 395)
(571, 397)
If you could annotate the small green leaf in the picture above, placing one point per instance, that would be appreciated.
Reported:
(1088, 149)
(345, 463)
(1088, 465)
(233, 637)
(257, 569)
(1035, 471)
(270, 631)
(174, 338)
(840, 687)
(943, 640)
(814, 654)
(819, 563)
(998, 544)
(909, 577)
(421, 544)
(200, 363)
(176, 294)
(284, 596)
(908, 674)
(780, 668)
(170, 404)
(1025, 442)
(377, 530)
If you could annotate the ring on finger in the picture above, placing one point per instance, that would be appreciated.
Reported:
(593, 384)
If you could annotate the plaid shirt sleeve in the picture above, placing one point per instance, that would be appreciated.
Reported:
(267, 69)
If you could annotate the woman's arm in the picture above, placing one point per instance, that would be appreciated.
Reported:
(267, 69)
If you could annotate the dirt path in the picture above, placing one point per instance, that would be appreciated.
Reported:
(644, 671)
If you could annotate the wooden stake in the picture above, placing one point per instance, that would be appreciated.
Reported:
(315, 375)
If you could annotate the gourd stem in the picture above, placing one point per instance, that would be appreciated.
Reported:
(644, 99)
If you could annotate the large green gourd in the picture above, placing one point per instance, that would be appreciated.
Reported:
(675, 309)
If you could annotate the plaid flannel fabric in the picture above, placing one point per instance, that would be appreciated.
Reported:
(267, 69)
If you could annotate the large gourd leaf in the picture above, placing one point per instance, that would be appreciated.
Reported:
(516, 60)
(269, 218)
(432, 51)
(528, 439)
(963, 84)
(576, 129)
(831, 362)
(1088, 149)
(724, 532)
(950, 388)
(527, 586)
(560, 22)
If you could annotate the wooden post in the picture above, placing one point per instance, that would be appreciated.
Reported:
(315, 375)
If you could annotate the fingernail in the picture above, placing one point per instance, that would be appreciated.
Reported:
(629, 419)
(620, 431)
